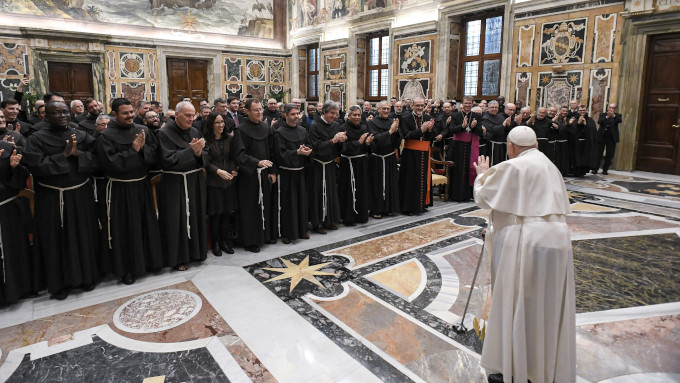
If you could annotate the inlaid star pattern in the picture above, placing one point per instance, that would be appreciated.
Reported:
(545, 79)
(573, 78)
(298, 272)
(189, 22)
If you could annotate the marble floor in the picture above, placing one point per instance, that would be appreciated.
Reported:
(368, 303)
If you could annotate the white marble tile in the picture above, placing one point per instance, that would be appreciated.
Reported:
(649, 377)
(627, 313)
(227, 362)
(289, 347)
(17, 313)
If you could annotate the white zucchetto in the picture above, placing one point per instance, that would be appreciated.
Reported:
(522, 136)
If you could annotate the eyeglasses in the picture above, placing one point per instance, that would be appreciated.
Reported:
(101, 124)
(152, 118)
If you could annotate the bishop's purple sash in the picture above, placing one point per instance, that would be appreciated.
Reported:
(473, 139)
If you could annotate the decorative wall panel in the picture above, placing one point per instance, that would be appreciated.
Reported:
(412, 88)
(335, 66)
(598, 93)
(257, 91)
(276, 91)
(233, 90)
(563, 42)
(414, 57)
(523, 87)
(576, 55)
(255, 71)
(604, 37)
(233, 69)
(131, 73)
(276, 70)
(337, 93)
(525, 47)
(558, 89)
(14, 64)
(419, 76)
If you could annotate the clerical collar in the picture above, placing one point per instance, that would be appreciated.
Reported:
(324, 120)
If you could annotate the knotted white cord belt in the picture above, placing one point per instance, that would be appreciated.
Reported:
(383, 156)
(323, 184)
(109, 188)
(260, 200)
(278, 181)
(61, 196)
(2, 249)
(96, 199)
(186, 194)
(353, 180)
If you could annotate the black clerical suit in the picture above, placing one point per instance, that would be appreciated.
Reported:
(607, 138)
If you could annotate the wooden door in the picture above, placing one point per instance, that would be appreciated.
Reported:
(187, 78)
(73, 80)
(659, 140)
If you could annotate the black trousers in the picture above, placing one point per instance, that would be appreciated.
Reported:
(608, 143)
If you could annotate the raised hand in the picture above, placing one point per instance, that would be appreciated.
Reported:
(571, 120)
(482, 164)
(582, 120)
(362, 139)
(197, 146)
(506, 122)
(274, 121)
(474, 123)
(395, 126)
(465, 122)
(70, 147)
(14, 158)
(339, 137)
(369, 139)
(139, 141)
(532, 119)
(304, 150)
(518, 119)
(483, 129)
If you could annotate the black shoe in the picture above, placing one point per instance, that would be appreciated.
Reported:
(226, 247)
(128, 279)
(320, 230)
(605, 172)
(61, 295)
(496, 378)
(216, 249)
(594, 171)
(88, 286)
(270, 241)
(332, 227)
(253, 249)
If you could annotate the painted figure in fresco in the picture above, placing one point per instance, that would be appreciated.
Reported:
(308, 10)
(413, 89)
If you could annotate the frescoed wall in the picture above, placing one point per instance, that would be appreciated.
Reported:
(232, 17)
(565, 56)
(306, 13)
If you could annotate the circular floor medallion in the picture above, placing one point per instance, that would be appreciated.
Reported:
(157, 311)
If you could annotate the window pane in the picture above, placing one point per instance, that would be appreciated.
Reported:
(385, 54)
(312, 86)
(312, 60)
(383, 83)
(373, 83)
(490, 77)
(492, 35)
(474, 31)
(374, 51)
(470, 78)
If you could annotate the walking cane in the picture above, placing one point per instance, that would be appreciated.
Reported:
(460, 328)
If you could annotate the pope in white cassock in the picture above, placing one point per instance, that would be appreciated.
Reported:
(530, 333)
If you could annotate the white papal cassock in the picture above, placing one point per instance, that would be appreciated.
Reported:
(531, 328)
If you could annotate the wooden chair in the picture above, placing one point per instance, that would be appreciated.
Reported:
(438, 179)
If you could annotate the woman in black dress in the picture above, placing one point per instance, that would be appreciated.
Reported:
(222, 172)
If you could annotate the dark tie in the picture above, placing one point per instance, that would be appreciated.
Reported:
(235, 119)
(419, 121)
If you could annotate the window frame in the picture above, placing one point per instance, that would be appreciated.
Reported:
(481, 57)
(380, 67)
(310, 96)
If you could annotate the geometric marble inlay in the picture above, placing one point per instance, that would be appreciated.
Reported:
(581, 206)
(381, 247)
(405, 279)
(157, 311)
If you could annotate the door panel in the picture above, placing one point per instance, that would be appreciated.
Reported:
(659, 140)
(187, 78)
(73, 80)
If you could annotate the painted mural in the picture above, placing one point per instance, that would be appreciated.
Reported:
(233, 17)
(306, 13)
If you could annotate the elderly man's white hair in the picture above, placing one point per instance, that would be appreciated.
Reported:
(476, 109)
(183, 104)
(73, 103)
(493, 102)
(528, 108)
(522, 136)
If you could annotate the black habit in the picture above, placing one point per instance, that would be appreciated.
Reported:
(354, 182)
(253, 143)
(585, 146)
(133, 235)
(181, 196)
(383, 167)
(496, 147)
(292, 183)
(324, 205)
(66, 221)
